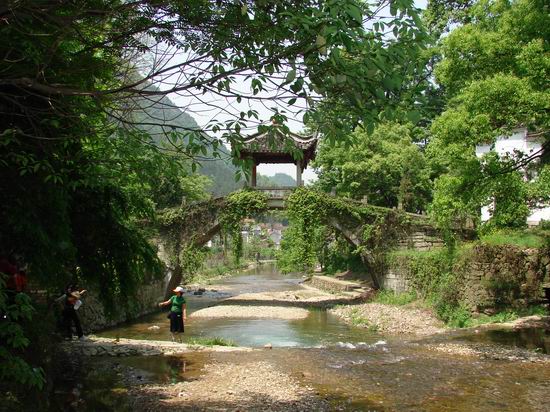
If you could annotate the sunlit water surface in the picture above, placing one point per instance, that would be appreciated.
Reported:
(352, 368)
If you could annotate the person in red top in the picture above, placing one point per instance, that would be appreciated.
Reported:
(16, 281)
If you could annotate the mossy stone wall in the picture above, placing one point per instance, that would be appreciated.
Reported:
(487, 276)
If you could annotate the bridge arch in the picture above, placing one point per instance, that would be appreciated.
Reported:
(196, 224)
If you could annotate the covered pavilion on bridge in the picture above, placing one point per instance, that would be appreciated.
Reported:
(274, 146)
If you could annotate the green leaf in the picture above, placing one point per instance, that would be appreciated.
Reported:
(291, 75)
(414, 116)
(355, 13)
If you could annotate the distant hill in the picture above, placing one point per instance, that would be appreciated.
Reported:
(158, 115)
(278, 180)
(282, 179)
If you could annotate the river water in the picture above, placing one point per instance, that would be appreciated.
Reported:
(351, 367)
(318, 329)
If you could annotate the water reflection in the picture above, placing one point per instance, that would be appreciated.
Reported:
(529, 338)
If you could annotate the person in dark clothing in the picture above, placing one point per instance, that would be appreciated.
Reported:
(69, 314)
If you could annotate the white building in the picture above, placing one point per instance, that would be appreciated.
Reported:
(518, 142)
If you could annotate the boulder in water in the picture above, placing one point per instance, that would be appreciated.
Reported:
(345, 345)
(154, 327)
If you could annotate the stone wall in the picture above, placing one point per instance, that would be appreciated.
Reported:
(503, 276)
(395, 278)
(489, 276)
(424, 238)
(92, 313)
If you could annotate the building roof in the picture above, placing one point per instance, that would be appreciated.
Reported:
(274, 146)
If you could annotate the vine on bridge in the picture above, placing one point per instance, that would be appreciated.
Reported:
(182, 227)
(314, 215)
(239, 205)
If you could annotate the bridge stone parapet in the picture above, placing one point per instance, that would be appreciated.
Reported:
(276, 196)
(373, 230)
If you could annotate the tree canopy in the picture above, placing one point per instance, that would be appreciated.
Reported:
(495, 70)
(385, 166)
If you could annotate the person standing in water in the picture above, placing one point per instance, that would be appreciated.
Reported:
(178, 312)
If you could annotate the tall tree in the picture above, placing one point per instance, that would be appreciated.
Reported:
(385, 166)
(496, 71)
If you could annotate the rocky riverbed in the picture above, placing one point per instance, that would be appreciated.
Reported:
(246, 386)
(391, 319)
(252, 312)
(406, 364)
(487, 351)
(97, 346)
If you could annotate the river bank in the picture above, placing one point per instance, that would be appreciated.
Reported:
(391, 319)
(316, 363)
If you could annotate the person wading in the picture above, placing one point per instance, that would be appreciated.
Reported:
(178, 312)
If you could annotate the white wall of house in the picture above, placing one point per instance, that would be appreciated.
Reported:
(518, 141)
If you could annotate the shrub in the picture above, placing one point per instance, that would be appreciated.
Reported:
(390, 297)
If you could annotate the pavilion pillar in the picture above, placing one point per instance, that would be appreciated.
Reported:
(253, 175)
(299, 173)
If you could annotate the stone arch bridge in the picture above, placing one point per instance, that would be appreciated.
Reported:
(396, 229)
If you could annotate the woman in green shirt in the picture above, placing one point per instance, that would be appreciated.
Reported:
(178, 311)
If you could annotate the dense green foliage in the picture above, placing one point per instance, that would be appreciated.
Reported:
(17, 311)
(385, 166)
(338, 233)
(495, 70)
(240, 205)
(532, 238)
(435, 281)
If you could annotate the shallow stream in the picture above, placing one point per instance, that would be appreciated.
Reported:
(351, 367)
(319, 329)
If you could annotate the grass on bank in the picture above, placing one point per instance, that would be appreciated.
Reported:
(389, 297)
(209, 341)
(529, 238)
(356, 319)
(506, 316)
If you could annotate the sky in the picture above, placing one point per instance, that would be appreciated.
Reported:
(309, 175)
(203, 114)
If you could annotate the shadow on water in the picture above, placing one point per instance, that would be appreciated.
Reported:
(164, 369)
(89, 385)
(537, 339)
(101, 384)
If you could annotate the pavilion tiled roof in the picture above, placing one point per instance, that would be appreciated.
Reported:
(274, 146)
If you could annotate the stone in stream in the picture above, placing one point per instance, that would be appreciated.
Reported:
(345, 345)
(154, 327)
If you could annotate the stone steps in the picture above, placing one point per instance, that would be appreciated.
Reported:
(334, 285)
